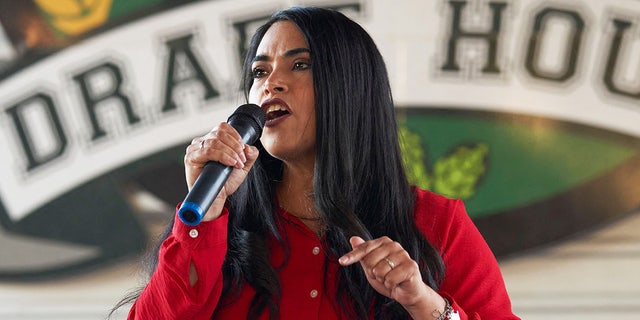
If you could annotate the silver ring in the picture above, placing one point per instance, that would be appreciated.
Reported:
(391, 264)
(202, 144)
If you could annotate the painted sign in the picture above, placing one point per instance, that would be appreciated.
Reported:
(527, 110)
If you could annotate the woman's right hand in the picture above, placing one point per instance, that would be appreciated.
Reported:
(222, 144)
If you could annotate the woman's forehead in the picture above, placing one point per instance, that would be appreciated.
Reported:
(282, 37)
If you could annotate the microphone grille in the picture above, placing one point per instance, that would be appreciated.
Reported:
(253, 112)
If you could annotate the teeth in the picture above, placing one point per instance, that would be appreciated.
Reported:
(275, 108)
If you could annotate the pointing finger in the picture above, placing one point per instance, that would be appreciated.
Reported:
(360, 250)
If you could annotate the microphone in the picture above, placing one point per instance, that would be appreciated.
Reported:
(248, 120)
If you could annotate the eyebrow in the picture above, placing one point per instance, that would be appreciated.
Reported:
(288, 53)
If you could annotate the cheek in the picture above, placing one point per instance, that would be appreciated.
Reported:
(253, 95)
(310, 128)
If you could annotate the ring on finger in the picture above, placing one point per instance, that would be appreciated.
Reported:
(202, 144)
(391, 263)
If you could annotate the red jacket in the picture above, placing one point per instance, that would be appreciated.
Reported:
(473, 282)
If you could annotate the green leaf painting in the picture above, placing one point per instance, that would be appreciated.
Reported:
(454, 175)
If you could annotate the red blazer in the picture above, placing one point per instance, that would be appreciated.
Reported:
(473, 282)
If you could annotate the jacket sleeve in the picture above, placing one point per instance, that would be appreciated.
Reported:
(169, 295)
(473, 282)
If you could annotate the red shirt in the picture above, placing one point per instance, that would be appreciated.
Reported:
(473, 282)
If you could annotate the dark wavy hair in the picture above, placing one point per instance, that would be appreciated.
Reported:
(360, 186)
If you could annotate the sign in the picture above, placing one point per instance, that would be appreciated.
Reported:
(527, 110)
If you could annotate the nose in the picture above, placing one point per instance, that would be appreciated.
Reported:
(275, 83)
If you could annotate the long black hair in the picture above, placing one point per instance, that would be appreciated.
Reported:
(360, 186)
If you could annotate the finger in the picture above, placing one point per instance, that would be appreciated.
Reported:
(356, 241)
(348, 258)
(361, 249)
(226, 127)
(401, 274)
(251, 154)
(235, 142)
(196, 145)
(221, 152)
(384, 259)
(222, 144)
(228, 135)
(382, 269)
(238, 175)
(211, 150)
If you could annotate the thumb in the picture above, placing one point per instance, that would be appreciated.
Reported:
(355, 241)
(251, 153)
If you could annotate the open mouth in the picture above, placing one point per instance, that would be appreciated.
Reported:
(276, 111)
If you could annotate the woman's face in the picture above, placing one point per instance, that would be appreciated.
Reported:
(283, 87)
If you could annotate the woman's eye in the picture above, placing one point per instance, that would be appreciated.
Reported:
(258, 72)
(301, 66)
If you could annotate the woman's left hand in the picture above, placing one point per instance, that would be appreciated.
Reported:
(391, 272)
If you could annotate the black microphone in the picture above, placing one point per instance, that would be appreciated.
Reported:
(248, 120)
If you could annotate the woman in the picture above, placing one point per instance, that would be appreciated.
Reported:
(318, 220)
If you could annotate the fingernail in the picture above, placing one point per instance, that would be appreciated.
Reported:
(343, 260)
